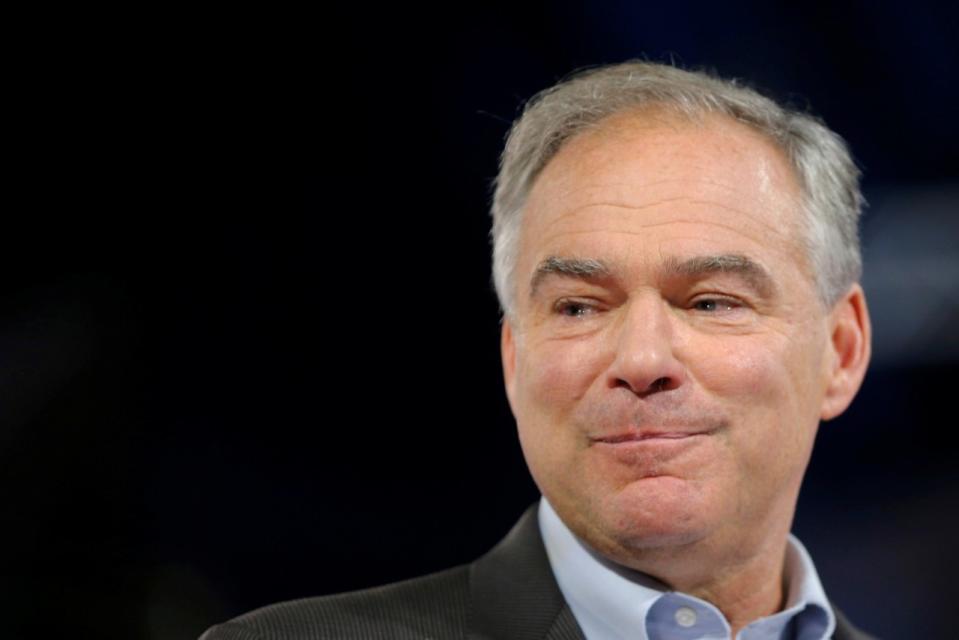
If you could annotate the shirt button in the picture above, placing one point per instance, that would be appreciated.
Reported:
(685, 617)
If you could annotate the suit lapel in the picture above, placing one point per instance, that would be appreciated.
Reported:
(514, 595)
(565, 626)
(845, 629)
(513, 592)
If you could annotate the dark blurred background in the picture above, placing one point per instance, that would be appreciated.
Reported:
(250, 351)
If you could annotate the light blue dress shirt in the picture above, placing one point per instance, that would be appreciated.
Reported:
(611, 602)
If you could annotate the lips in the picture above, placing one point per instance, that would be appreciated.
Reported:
(649, 434)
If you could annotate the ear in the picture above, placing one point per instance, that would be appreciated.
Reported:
(507, 345)
(850, 349)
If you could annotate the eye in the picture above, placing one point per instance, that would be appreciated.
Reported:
(572, 308)
(716, 305)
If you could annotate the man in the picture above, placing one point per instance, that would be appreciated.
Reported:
(677, 261)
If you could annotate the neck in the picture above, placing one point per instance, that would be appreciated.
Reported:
(743, 579)
(744, 591)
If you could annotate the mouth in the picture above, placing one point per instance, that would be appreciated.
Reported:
(627, 437)
(653, 452)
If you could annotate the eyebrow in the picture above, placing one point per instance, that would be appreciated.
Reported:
(753, 273)
(579, 268)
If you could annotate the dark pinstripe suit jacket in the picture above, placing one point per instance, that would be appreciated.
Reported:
(508, 594)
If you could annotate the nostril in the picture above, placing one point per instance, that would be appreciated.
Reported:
(659, 384)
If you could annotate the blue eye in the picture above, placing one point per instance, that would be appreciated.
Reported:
(715, 304)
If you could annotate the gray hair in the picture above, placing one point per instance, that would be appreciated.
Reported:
(820, 158)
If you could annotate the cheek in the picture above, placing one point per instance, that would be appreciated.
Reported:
(778, 375)
(557, 375)
(738, 371)
(552, 380)
(765, 389)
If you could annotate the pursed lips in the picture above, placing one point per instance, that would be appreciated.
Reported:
(650, 434)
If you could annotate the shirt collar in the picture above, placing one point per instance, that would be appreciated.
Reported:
(612, 601)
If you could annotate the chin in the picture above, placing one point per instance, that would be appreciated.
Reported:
(654, 513)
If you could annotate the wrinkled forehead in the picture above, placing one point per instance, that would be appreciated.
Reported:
(639, 170)
(634, 153)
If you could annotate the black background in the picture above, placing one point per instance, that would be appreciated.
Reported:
(250, 351)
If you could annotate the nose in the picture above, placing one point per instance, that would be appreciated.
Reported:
(645, 360)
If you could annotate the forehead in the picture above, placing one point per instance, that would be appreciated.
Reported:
(652, 177)
(643, 153)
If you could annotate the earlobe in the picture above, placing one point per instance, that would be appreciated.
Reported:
(851, 348)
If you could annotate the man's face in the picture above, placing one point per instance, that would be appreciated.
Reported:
(667, 371)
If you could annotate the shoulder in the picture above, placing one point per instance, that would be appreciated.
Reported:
(428, 607)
